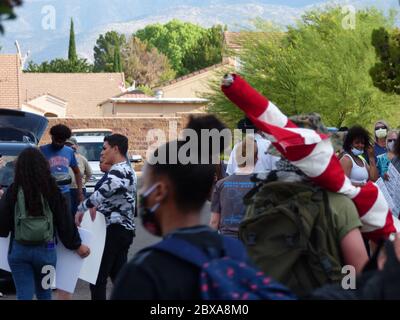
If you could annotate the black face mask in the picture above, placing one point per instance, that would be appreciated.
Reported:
(57, 146)
(148, 215)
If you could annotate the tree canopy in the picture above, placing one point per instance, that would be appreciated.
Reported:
(60, 66)
(72, 55)
(117, 65)
(316, 66)
(104, 50)
(7, 11)
(386, 72)
(188, 46)
(146, 66)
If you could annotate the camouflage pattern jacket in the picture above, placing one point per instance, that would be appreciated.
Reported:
(116, 196)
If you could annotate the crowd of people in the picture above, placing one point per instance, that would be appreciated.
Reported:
(270, 215)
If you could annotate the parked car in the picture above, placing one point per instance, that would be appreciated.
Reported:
(91, 132)
(90, 147)
(18, 130)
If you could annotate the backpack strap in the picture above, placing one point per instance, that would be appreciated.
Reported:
(182, 249)
(20, 209)
(324, 261)
(234, 249)
(188, 252)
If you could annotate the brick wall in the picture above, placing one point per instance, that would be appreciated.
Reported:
(136, 129)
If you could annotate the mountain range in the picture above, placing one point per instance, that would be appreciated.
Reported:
(94, 17)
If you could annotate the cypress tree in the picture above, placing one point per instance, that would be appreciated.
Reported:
(72, 56)
(117, 66)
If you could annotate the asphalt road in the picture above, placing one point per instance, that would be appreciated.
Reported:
(142, 240)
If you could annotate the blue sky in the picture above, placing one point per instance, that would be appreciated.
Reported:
(293, 3)
(92, 17)
(302, 3)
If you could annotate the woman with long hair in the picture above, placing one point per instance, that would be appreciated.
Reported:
(33, 210)
(356, 144)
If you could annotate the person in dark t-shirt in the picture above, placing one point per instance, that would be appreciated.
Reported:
(170, 201)
(227, 205)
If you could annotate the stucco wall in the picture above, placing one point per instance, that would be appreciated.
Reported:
(136, 129)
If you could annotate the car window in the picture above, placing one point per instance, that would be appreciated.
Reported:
(91, 151)
(7, 166)
(92, 133)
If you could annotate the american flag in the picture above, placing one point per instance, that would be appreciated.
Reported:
(313, 153)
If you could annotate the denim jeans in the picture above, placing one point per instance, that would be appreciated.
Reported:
(26, 263)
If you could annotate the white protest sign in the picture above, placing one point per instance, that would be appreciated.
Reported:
(382, 186)
(91, 264)
(4, 244)
(69, 263)
(393, 186)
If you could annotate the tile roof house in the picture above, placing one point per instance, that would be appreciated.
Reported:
(74, 95)
(134, 103)
(195, 84)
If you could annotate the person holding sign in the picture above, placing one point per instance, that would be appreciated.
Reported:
(392, 153)
(115, 199)
(33, 210)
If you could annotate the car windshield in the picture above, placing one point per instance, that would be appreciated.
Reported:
(91, 151)
(92, 133)
(7, 165)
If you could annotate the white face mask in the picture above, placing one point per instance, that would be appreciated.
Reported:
(390, 145)
(357, 152)
(381, 133)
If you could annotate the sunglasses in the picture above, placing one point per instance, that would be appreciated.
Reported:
(391, 140)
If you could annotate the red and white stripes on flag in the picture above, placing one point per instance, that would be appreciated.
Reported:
(313, 153)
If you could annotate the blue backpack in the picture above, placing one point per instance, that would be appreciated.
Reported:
(227, 277)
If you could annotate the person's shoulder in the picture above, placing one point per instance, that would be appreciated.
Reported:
(44, 147)
(150, 258)
(67, 149)
(121, 170)
(382, 157)
(219, 184)
(81, 157)
(339, 202)
(261, 140)
(334, 196)
(346, 157)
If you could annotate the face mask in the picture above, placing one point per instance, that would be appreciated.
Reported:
(390, 145)
(148, 215)
(381, 133)
(357, 152)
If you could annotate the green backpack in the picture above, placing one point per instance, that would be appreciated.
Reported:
(288, 232)
(29, 229)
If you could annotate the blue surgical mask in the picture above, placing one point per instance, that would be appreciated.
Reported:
(148, 215)
(357, 152)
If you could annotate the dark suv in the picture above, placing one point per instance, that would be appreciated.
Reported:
(18, 130)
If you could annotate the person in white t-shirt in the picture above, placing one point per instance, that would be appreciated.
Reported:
(265, 163)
